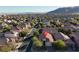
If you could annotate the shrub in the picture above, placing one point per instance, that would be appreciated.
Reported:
(37, 42)
(5, 49)
(8, 47)
(34, 38)
(59, 45)
(36, 32)
(42, 24)
(6, 28)
(22, 33)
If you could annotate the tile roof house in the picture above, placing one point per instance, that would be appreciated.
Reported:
(55, 34)
(12, 36)
(58, 36)
(3, 41)
(1, 27)
(1, 34)
(65, 36)
(41, 37)
(71, 45)
(49, 30)
(48, 36)
(76, 27)
(46, 22)
(69, 27)
(9, 34)
(75, 37)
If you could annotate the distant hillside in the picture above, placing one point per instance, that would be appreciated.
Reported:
(66, 10)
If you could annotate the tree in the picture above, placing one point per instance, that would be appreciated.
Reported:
(54, 23)
(40, 31)
(42, 25)
(6, 28)
(65, 31)
(74, 23)
(22, 33)
(59, 45)
(15, 23)
(36, 32)
(32, 23)
(37, 42)
(1, 21)
(5, 49)
(34, 38)
(11, 45)
(51, 23)
(8, 47)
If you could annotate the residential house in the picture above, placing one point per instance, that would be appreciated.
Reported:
(58, 36)
(47, 23)
(69, 27)
(70, 45)
(27, 25)
(3, 41)
(7, 21)
(12, 36)
(75, 38)
(49, 30)
(76, 27)
(65, 36)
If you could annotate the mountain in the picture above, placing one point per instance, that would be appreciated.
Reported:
(66, 10)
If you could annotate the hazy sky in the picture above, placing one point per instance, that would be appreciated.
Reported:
(21, 9)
